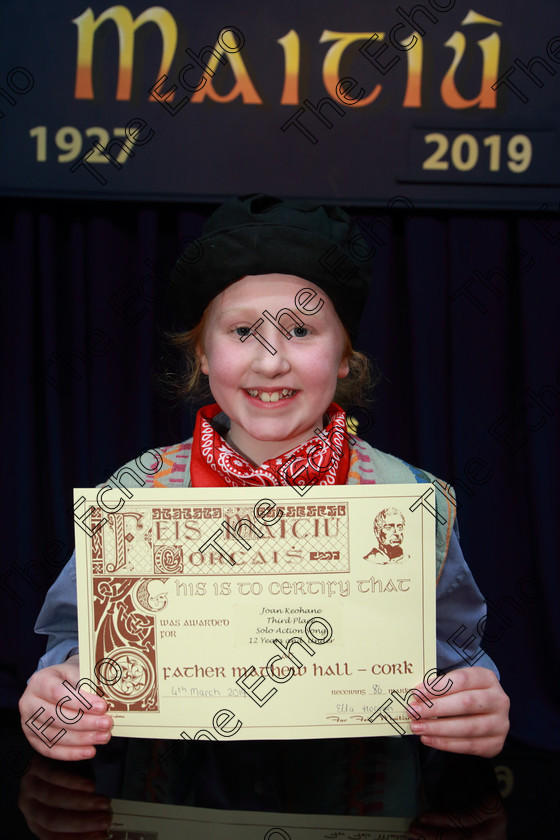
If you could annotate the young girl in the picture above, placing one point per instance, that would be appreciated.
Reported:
(271, 308)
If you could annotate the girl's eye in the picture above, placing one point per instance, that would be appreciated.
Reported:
(300, 332)
(242, 331)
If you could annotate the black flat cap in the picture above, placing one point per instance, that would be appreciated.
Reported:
(259, 234)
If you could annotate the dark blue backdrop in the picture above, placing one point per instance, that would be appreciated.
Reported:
(462, 321)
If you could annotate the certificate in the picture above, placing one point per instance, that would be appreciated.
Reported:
(254, 612)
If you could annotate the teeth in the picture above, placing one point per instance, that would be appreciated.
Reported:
(266, 396)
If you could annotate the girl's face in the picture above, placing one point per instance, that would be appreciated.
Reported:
(275, 401)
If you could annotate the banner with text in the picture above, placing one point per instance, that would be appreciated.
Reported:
(440, 103)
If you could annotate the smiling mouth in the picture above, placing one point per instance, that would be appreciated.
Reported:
(271, 396)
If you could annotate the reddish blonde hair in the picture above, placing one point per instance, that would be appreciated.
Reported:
(190, 382)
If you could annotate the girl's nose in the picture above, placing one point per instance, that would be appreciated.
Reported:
(269, 351)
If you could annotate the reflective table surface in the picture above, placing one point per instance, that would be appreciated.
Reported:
(378, 788)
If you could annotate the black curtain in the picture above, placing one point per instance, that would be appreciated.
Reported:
(462, 321)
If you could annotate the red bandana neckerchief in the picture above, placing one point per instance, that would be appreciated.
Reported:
(215, 464)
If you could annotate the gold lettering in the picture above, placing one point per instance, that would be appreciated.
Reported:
(291, 46)
(490, 47)
(244, 86)
(126, 26)
(331, 64)
(414, 58)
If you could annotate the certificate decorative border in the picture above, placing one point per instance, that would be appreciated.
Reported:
(126, 636)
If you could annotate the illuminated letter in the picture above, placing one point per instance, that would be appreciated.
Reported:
(87, 26)
(122, 538)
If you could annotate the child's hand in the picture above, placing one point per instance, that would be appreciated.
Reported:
(45, 689)
(472, 716)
